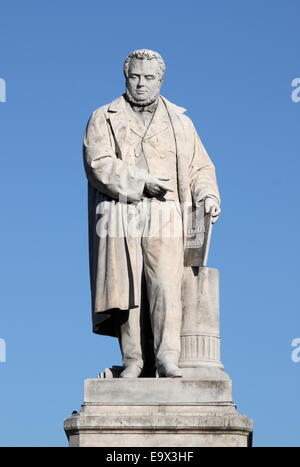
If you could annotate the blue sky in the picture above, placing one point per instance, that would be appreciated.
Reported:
(231, 65)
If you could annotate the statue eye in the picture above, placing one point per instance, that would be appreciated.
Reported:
(150, 77)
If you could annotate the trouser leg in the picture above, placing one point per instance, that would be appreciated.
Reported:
(129, 332)
(163, 264)
(130, 339)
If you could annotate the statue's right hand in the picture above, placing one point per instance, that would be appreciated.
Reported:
(154, 186)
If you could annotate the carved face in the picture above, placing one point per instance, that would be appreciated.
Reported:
(144, 80)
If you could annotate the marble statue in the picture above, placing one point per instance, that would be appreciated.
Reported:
(153, 198)
(144, 163)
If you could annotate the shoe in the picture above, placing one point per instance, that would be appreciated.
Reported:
(131, 371)
(170, 370)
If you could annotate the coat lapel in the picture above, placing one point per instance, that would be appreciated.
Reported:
(175, 113)
(160, 122)
(119, 123)
(136, 124)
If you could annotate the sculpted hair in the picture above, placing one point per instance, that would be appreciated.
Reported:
(145, 54)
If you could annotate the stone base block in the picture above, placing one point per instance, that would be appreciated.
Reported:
(158, 412)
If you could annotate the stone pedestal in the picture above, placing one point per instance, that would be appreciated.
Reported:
(193, 411)
(158, 412)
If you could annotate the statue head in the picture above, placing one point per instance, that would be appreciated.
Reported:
(144, 71)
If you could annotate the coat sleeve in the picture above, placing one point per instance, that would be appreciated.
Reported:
(202, 172)
(104, 170)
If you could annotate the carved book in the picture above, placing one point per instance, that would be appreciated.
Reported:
(198, 234)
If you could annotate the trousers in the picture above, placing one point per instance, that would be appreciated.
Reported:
(160, 268)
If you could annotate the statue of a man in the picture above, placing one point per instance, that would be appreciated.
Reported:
(144, 161)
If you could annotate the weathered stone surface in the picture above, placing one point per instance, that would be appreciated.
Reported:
(158, 412)
(156, 391)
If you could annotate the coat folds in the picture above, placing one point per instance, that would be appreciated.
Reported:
(114, 185)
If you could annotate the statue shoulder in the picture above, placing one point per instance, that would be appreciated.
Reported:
(173, 107)
(189, 122)
(111, 107)
(179, 111)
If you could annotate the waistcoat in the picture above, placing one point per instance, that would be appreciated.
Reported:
(154, 145)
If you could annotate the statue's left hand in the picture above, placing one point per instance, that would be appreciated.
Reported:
(212, 205)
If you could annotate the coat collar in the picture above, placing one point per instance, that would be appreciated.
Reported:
(119, 104)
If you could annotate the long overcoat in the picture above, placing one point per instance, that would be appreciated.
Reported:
(114, 185)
